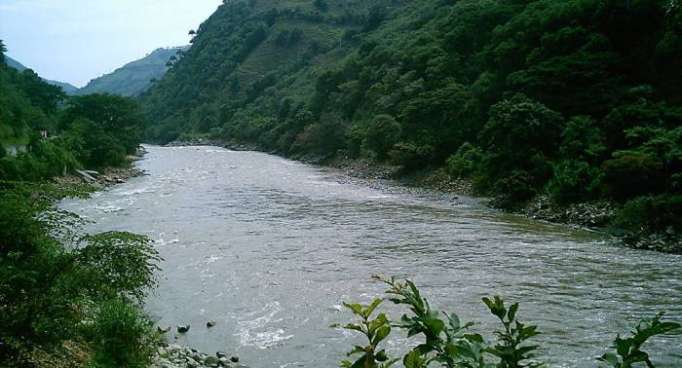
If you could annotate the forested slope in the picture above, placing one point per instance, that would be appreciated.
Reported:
(135, 77)
(66, 87)
(576, 99)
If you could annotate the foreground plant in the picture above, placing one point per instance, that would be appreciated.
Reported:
(375, 330)
(447, 342)
(629, 350)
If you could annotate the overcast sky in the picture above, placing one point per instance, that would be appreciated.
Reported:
(76, 40)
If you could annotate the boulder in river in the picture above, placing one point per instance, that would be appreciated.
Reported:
(211, 361)
(163, 329)
(183, 328)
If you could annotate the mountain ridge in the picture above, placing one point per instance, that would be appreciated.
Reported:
(134, 77)
(68, 88)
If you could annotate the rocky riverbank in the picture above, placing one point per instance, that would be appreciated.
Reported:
(176, 356)
(593, 215)
(106, 178)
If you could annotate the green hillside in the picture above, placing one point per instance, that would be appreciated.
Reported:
(577, 100)
(135, 77)
(66, 87)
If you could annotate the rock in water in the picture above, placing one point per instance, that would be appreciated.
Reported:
(211, 361)
(210, 324)
(183, 328)
(163, 329)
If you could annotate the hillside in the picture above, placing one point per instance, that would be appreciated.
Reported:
(575, 100)
(66, 87)
(134, 77)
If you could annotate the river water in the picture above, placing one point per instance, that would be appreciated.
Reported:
(270, 248)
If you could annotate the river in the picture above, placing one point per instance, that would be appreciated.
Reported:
(270, 248)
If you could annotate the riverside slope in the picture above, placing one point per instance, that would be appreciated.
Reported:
(270, 248)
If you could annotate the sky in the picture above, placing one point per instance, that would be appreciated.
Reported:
(77, 40)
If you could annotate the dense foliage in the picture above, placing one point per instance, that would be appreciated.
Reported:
(58, 291)
(445, 341)
(93, 131)
(65, 300)
(577, 99)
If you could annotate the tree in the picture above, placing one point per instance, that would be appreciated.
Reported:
(381, 135)
(519, 135)
(118, 117)
(3, 50)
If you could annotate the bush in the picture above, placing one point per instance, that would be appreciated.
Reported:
(121, 336)
(574, 181)
(582, 140)
(48, 290)
(381, 135)
(465, 161)
(651, 214)
(519, 128)
(325, 137)
(514, 189)
(411, 156)
(117, 264)
(630, 174)
(445, 341)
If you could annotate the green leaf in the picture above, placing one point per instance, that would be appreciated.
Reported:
(355, 308)
(610, 358)
(370, 309)
(512, 311)
(381, 333)
(413, 359)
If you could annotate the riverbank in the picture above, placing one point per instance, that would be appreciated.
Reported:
(176, 356)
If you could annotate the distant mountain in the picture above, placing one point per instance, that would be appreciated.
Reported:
(133, 78)
(68, 88)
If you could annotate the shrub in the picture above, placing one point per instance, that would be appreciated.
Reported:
(629, 350)
(574, 181)
(465, 161)
(121, 336)
(48, 290)
(444, 341)
(631, 173)
(411, 156)
(519, 128)
(118, 263)
(582, 140)
(514, 189)
(325, 137)
(651, 213)
(382, 133)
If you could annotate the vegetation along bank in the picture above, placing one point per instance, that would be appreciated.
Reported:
(574, 102)
(67, 300)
